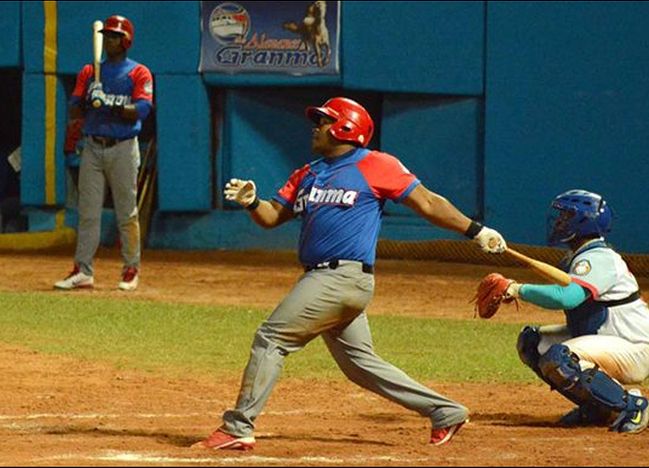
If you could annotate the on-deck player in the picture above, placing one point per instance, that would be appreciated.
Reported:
(111, 153)
(340, 199)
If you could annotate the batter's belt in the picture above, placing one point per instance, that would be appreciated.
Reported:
(333, 264)
(106, 142)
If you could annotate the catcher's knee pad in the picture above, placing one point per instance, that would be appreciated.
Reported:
(560, 368)
(527, 346)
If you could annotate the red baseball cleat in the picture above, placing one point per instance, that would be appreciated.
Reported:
(219, 440)
(440, 436)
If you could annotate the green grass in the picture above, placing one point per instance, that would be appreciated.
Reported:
(177, 339)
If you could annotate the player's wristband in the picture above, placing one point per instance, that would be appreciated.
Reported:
(253, 206)
(473, 230)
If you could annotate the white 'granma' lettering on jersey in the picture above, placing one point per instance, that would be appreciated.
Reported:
(333, 196)
(117, 99)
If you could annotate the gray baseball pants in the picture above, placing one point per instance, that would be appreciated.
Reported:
(330, 303)
(118, 166)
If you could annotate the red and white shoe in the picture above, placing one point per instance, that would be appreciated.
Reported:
(219, 440)
(75, 280)
(440, 436)
(130, 279)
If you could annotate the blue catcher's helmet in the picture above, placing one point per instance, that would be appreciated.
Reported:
(577, 214)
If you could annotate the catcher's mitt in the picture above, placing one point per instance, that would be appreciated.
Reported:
(492, 291)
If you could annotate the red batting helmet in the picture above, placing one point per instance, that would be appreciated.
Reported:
(352, 122)
(120, 25)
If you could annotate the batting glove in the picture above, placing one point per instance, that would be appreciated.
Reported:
(244, 192)
(94, 86)
(490, 240)
(98, 99)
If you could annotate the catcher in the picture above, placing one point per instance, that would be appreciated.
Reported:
(605, 341)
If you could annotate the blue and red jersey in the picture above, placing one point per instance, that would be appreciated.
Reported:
(341, 203)
(125, 82)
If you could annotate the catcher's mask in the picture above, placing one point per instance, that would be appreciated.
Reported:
(352, 122)
(577, 214)
(120, 25)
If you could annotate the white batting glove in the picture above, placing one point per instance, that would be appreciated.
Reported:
(490, 240)
(95, 86)
(243, 192)
(98, 98)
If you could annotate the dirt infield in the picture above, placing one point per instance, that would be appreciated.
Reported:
(66, 412)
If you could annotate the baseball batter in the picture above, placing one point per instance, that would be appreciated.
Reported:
(605, 341)
(110, 153)
(340, 200)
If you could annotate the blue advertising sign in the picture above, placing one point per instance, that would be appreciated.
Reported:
(292, 37)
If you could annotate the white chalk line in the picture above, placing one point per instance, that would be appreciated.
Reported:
(16, 417)
(19, 417)
(113, 456)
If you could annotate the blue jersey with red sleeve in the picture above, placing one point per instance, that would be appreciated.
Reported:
(341, 203)
(125, 82)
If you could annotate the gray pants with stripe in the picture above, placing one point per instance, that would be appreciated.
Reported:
(330, 303)
(118, 166)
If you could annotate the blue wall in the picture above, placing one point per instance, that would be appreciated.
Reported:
(498, 106)
(567, 87)
(10, 52)
(427, 47)
(32, 175)
(184, 159)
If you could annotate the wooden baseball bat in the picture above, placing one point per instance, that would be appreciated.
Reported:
(97, 47)
(547, 271)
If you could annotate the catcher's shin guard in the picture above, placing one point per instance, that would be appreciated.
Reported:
(528, 348)
(560, 368)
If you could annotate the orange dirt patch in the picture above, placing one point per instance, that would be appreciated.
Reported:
(57, 411)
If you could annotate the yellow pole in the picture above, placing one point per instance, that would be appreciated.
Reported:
(49, 69)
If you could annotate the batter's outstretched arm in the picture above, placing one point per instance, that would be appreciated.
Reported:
(270, 214)
(441, 212)
(437, 210)
(267, 214)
